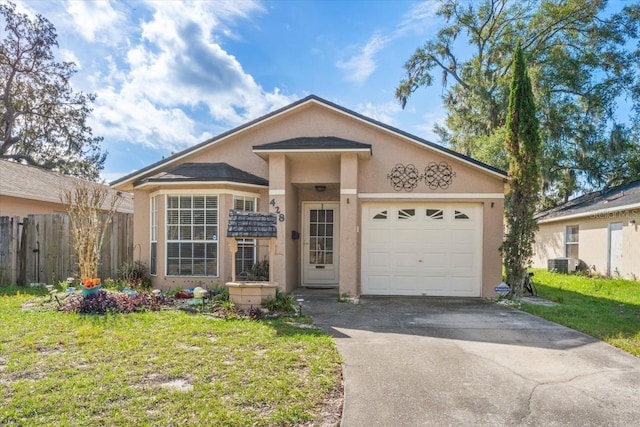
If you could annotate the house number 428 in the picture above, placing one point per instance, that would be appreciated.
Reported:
(277, 210)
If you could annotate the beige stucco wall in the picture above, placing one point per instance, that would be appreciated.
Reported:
(15, 206)
(350, 180)
(593, 242)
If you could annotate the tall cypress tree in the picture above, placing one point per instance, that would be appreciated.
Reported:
(523, 149)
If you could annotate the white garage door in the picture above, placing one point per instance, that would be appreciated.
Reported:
(422, 249)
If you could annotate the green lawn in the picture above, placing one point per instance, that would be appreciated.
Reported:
(607, 309)
(160, 368)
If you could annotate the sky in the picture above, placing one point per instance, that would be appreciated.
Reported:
(170, 74)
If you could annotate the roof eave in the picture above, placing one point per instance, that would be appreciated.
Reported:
(363, 153)
(198, 182)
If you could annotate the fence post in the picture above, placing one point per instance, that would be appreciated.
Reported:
(9, 240)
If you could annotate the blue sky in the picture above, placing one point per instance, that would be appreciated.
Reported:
(170, 74)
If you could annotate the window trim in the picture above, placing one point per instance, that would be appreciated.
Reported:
(153, 235)
(246, 242)
(567, 242)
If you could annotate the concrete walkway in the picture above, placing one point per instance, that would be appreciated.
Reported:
(468, 362)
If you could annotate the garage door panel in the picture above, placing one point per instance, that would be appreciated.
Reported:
(434, 283)
(433, 235)
(379, 237)
(406, 284)
(405, 260)
(379, 259)
(461, 286)
(379, 284)
(462, 259)
(422, 249)
(406, 237)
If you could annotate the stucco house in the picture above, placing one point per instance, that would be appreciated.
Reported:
(600, 229)
(360, 206)
(31, 190)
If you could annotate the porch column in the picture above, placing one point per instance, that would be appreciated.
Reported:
(278, 186)
(349, 225)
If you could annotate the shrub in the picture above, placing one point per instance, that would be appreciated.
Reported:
(91, 208)
(114, 285)
(222, 295)
(255, 313)
(136, 274)
(103, 303)
(282, 302)
(259, 271)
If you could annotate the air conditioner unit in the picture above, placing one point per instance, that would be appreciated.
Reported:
(563, 265)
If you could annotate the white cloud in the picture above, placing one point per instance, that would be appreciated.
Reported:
(137, 120)
(429, 120)
(416, 19)
(148, 92)
(93, 18)
(360, 66)
(70, 56)
(381, 112)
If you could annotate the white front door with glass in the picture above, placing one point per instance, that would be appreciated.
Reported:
(320, 244)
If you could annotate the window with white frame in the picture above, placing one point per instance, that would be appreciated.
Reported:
(153, 256)
(572, 233)
(192, 235)
(246, 255)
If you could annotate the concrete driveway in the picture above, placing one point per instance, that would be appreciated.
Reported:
(463, 362)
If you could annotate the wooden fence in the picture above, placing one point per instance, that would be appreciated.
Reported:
(39, 248)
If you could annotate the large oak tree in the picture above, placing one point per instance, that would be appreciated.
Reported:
(583, 61)
(42, 120)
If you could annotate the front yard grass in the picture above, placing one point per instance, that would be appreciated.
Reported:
(607, 309)
(160, 368)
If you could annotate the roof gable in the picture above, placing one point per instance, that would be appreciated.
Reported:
(622, 197)
(309, 100)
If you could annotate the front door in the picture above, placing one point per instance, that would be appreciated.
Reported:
(320, 243)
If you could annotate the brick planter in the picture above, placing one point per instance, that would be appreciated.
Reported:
(250, 294)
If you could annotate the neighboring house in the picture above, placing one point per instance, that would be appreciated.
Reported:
(360, 205)
(27, 190)
(599, 228)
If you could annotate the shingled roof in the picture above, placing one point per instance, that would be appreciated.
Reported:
(618, 198)
(251, 224)
(44, 185)
(318, 143)
(208, 172)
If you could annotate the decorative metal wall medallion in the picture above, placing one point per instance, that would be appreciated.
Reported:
(438, 175)
(404, 177)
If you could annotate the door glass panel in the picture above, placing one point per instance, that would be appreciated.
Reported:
(321, 237)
